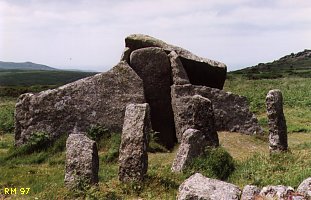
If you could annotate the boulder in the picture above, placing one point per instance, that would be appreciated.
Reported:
(231, 111)
(201, 71)
(133, 157)
(305, 188)
(276, 192)
(199, 187)
(96, 100)
(195, 112)
(192, 145)
(126, 55)
(153, 66)
(250, 192)
(81, 161)
(276, 121)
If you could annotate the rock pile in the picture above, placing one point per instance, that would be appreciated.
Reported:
(151, 71)
(199, 187)
(276, 121)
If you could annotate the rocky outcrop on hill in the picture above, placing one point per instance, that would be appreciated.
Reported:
(96, 100)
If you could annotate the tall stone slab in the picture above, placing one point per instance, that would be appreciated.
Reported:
(195, 112)
(133, 157)
(231, 111)
(192, 145)
(276, 121)
(201, 71)
(153, 66)
(82, 162)
(96, 100)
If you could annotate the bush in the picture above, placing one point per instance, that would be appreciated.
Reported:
(97, 132)
(214, 163)
(6, 118)
(154, 145)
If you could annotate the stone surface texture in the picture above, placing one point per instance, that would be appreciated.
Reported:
(201, 71)
(81, 161)
(305, 188)
(276, 121)
(250, 192)
(279, 192)
(192, 145)
(133, 157)
(231, 111)
(153, 66)
(199, 187)
(96, 100)
(195, 112)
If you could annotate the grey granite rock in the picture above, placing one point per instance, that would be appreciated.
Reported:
(305, 188)
(250, 192)
(81, 161)
(276, 121)
(133, 157)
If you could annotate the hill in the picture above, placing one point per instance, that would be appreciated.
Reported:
(294, 64)
(24, 66)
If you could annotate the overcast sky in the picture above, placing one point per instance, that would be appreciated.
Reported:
(89, 34)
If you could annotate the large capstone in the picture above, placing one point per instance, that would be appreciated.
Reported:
(192, 145)
(231, 111)
(153, 66)
(97, 100)
(133, 157)
(201, 71)
(195, 112)
(276, 121)
(81, 161)
(199, 187)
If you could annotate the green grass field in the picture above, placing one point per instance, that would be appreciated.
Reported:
(43, 172)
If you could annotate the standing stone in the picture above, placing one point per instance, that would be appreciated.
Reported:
(81, 161)
(277, 123)
(133, 157)
(96, 100)
(305, 188)
(250, 192)
(192, 145)
(199, 187)
(195, 112)
(153, 66)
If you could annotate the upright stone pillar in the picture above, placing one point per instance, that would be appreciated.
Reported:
(276, 121)
(133, 157)
(81, 161)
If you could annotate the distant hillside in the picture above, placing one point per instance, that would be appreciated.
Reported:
(24, 66)
(294, 64)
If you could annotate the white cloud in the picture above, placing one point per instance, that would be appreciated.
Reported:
(91, 32)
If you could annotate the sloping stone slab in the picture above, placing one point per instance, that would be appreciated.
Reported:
(231, 111)
(99, 99)
(133, 157)
(81, 161)
(201, 71)
(179, 74)
(199, 187)
(192, 145)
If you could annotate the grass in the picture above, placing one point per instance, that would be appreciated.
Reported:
(43, 171)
